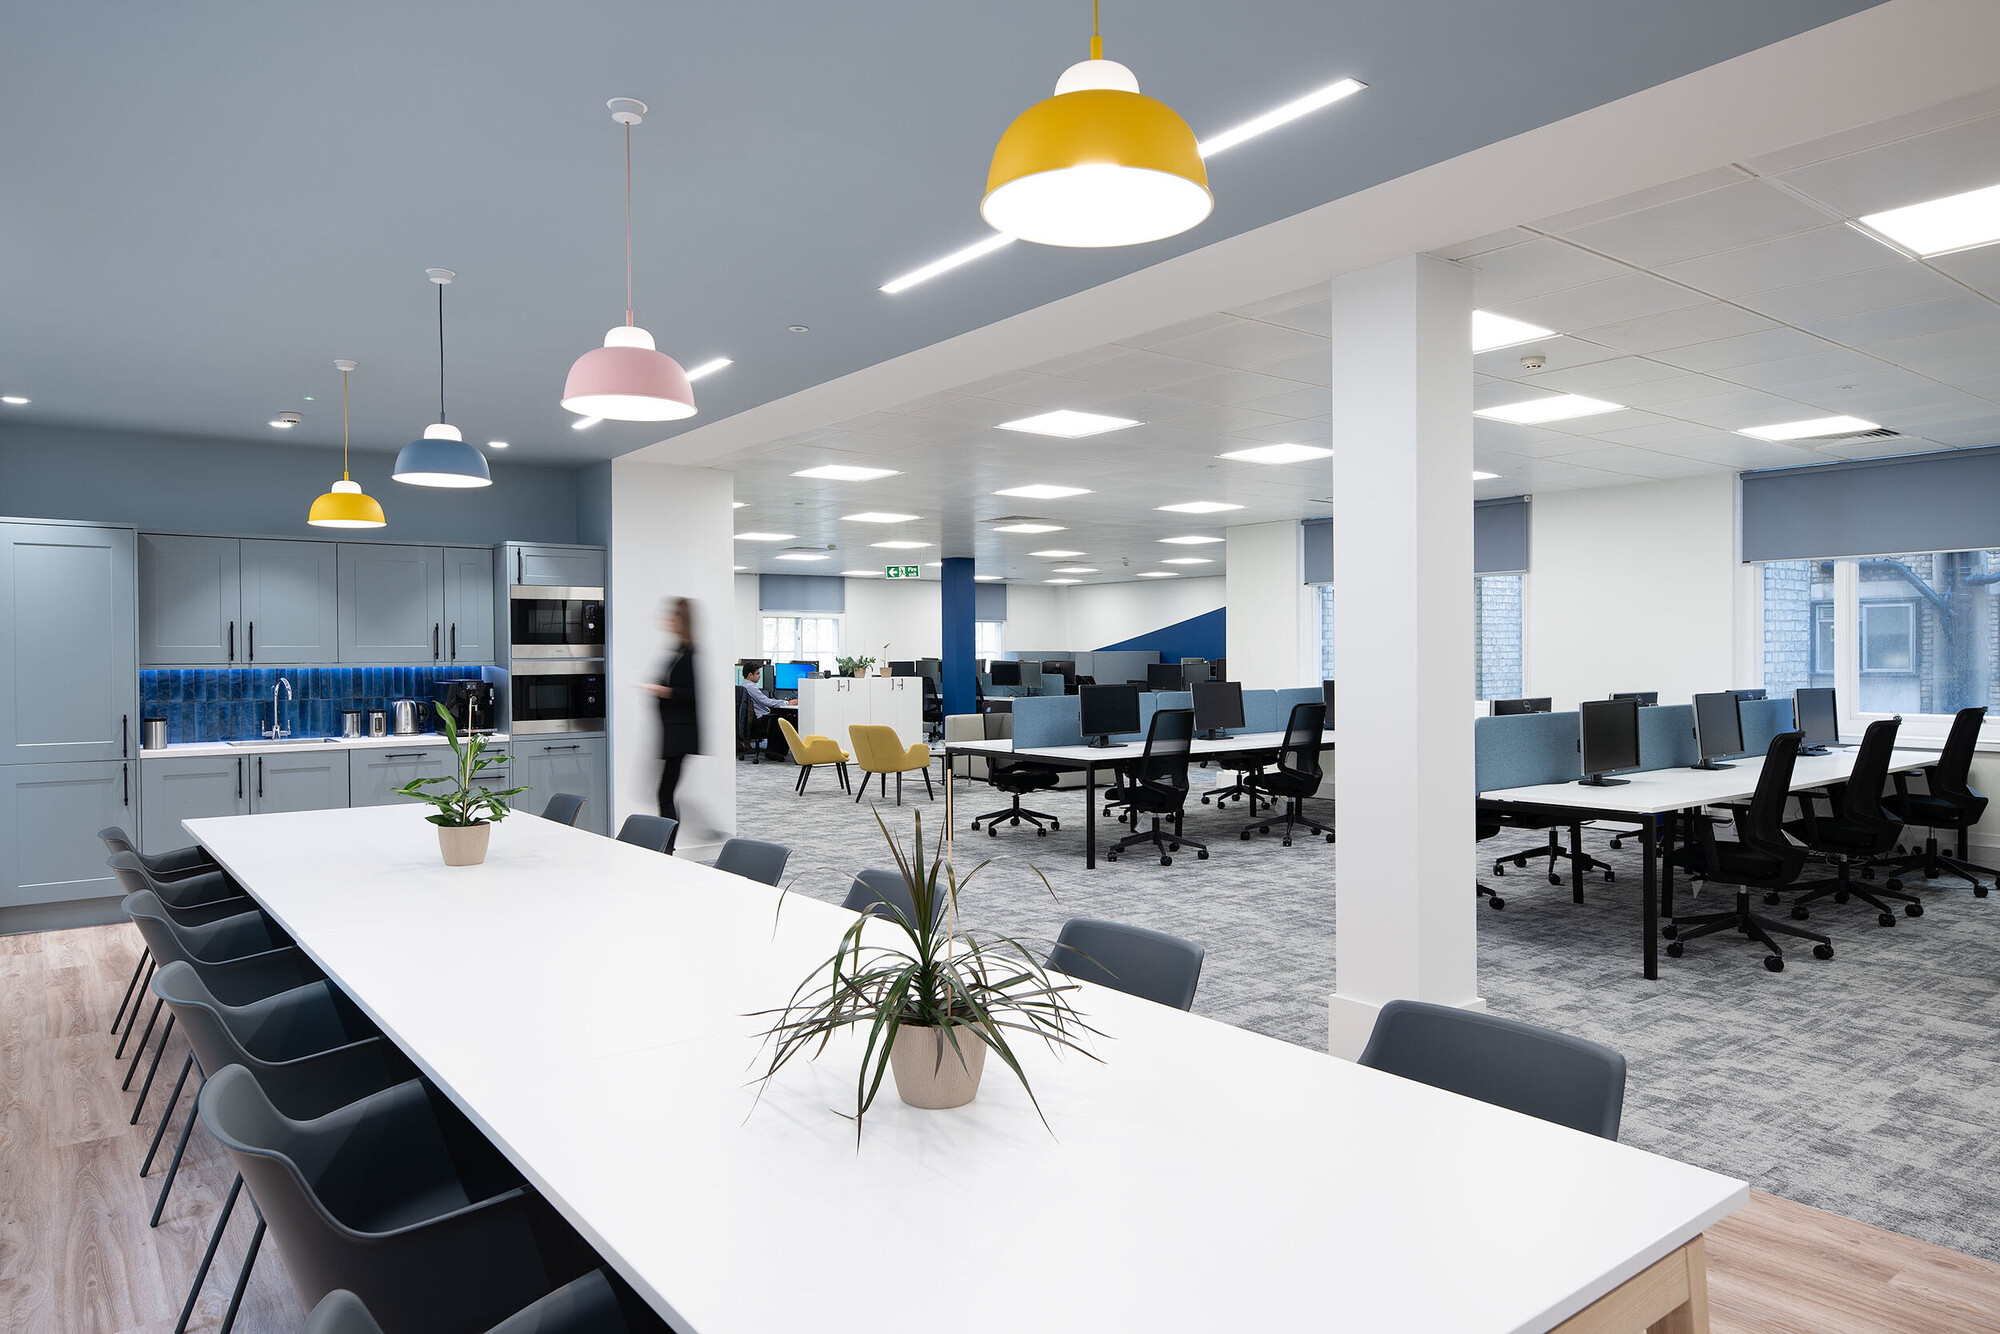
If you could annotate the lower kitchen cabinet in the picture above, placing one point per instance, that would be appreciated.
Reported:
(174, 788)
(378, 773)
(297, 780)
(564, 765)
(49, 818)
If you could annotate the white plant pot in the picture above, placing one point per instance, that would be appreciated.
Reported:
(464, 845)
(929, 1073)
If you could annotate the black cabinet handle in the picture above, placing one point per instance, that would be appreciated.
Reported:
(407, 755)
(124, 744)
(547, 749)
(128, 783)
(519, 577)
(232, 641)
(434, 641)
(239, 778)
(260, 778)
(250, 636)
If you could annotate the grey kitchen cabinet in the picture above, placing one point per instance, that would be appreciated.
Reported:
(297, 780)
(290, 603)
(391, 603)
(173, 788)
(378, 773)
(563, 765)
(69, 679)
(49, 818)
(468, 606)
(572, 567)
(190, 601)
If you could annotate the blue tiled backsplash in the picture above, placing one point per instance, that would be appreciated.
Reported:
(234, 704)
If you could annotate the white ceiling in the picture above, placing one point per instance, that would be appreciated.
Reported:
(1731, 299)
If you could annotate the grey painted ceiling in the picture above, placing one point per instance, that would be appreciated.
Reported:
(204, 204)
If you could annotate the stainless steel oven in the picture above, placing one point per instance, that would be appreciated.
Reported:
(552, 622)
(557, 697)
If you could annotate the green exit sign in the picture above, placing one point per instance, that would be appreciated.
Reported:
(902, 571)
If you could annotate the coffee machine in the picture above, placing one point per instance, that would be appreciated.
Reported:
(471, 702)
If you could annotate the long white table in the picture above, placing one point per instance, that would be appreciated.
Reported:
(1653, 792)
(586, 1003)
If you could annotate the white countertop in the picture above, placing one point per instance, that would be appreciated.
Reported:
(1200, 1178)
(201, 748)
(1654, 791)
(1124, 751)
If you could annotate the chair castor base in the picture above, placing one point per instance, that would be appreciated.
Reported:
(1496, 902)
(1978, 891)
(1202, 855)
(1676, 950)
(1774, 963)
(1822, 951)
(1886, 919)
(1800, 913)
(1245, 836)
(1669, 931)
(1555, 879)
(1913, 910)
(1166, 860)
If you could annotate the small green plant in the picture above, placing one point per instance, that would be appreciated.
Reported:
(849, 666)
(464, 802)
(976, 987)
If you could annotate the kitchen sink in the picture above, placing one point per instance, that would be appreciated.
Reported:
(266, 743)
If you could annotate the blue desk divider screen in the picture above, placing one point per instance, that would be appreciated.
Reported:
(1524, 749)
(1152, 701)
(1287, 699)
(1666, 737)
(1261, 712)
(1046, 720)
(1762, 720)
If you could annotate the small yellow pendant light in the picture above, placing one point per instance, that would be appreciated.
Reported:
(1098, 164)
(346, 506)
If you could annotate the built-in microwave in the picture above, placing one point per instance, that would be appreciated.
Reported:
(550, 622)
(557, 697)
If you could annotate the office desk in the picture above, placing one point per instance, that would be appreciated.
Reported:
(1662, 791)
(1301, 1192)
(1090, 759)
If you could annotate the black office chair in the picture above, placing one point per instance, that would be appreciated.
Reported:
(1481, 831)
(1297, 774)
(1151, 965)
(588, 1305)
(1499, 813)
(657, 832)
(1567, 1080)
(753, 734)
(1859, 829)
(1950, 802)
(1159, 786)
(754, 859)
(884, 893)
(1760, 857)
(1017, 779)
(563, 808)
(933, 716)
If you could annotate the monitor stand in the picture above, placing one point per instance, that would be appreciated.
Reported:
(1102, 741)
(1215, 734)
(1813, 750)
(1599, 780)
(1711, 764)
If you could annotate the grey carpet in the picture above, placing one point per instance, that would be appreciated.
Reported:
(1868, 1085)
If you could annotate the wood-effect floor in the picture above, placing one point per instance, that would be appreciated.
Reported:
(76, 1255)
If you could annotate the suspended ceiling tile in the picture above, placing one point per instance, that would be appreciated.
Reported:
(1075, 361)
(1978, 372)
(1943, 345)
(1743, 452)
(1839, 362)
(1678, 386)
(1743, 350)
(1134, 369)
(1604, 379)
(1970, 433)
(1736, 215)
(1310, 311)
(1230, 387)
(1679, 328)
(1558, 353)
(1245, 345)
(1304, 403)
(1639, 200)
(1942, 162)
(1315, 367)
(1877, 326)
(1733, 410)
(1628, 297)
(1661, 433)
(1199, 324)
(1484, 245)
(1783, 262)
(1896, 128)
(1223, 420)
(1978, 269)
(1853, 293)
(1303, 432)
(1054, 391)
(1537, 268)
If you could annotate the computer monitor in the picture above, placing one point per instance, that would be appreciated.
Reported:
(1814, 713)
(1163, 676)
(1749, 694)
(1217, 704)
(1718, 728)
(1610, 739)
(1066, 670)
(902, 668)
(1193, 670)
(1504, 708)
(1103, 710)
(1646, 698)
(1006, 673)
(1326, 698)
(785, 676)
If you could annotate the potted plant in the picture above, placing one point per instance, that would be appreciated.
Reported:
(854, 666)
(466, 812)
(934, 1000)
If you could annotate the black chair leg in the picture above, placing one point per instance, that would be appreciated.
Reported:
(805, 772)
(132, 987)
(1493, 900)
(133, 1023)
(208, 1256)
(172, 1102)
(929, 791)
(846, 783)
(243, 1276)
(152, 1070)
(140, 1050)
(899, 787)
(174, 1167)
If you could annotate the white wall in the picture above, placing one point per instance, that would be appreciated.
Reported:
(1037, 617)
(906, 615)
(671, 536)
(1273, 631)
(1632, 588)
(1101, 614)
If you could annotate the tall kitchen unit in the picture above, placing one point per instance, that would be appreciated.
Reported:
(69, 717)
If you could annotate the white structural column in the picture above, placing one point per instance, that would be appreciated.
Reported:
(1402, 541)
(672, 536)
(1270, 622)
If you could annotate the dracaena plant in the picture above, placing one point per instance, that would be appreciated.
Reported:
(977, 987)
(464, 801)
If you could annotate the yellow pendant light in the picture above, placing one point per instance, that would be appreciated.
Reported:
(1098, 164)
(347, 505)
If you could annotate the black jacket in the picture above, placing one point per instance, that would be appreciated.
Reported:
(680, 725)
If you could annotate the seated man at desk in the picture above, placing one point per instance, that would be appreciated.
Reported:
(761, 704)
(762, 707)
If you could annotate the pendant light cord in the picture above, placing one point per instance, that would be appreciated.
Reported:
(440, 288)
(1096, 42)
(628, 221)
(343, 428)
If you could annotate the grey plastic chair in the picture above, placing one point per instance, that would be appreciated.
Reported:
(1540, 1073)
(1151, 965)
(165, 865)
(657, 832)
(755, 859)
(588, 1305)
(563, 808)
(397, 1199)
(197, 894)
(309, 1048)
(885, 893)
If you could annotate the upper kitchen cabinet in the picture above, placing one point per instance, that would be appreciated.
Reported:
(468, 606)
(69, 684)
(190, 601)
(291, 606)
(567, 567)
(391, 603)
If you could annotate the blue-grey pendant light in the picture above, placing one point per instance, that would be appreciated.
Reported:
(441, 458)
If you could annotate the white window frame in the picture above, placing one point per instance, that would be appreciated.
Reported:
(1875, 606)
(998, 636)
(826, 660)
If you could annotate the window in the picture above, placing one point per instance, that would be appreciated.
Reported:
(986, 638)
(1325, 631)
(1888, 637)
(802, 639)
(1798, 625)
(1496, 643)
(1822, 642)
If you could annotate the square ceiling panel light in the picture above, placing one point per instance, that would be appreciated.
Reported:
(987, 578)
(1555, 408)
(1490, 331)
(1159, 574)
(861, 574)
(1198, 507)
(1057, 555)
(1956, 222)
(765, 537)
(1189, 541)
(1028, 528)
(1484, 476)
(846, 472)
(1187, 560)
(1044, 491)
(901, 545)
(1278, 454)
(876, 516)
(801, 555)
(1076, 569)
(1067, 424)
(1810, 429)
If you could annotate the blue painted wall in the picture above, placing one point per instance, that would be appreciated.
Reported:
(1203, 636)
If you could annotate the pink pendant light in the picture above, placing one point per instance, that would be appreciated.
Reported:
(628, 380)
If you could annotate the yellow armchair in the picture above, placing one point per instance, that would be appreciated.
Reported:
(878, 750)
(809, 752)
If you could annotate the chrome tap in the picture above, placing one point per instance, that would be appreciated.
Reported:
(278, 731)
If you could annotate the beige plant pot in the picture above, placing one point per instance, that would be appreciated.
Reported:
(860, 672)
(464, 845)
(929, 1073)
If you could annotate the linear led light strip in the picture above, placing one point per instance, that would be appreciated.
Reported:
(1228, 139)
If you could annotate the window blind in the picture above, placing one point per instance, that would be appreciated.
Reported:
(1499, 540)
(989, 602)
(801, 592)
(1872, 507)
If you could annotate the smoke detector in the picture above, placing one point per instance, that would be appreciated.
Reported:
(1534, 361)
(285, 421)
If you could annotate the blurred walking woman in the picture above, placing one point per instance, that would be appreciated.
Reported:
(680, 727)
